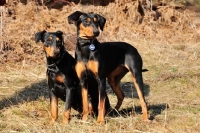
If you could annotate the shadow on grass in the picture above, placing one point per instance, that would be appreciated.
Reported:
(40, 89)
(130, 92)
(28, 94)
(131, 111)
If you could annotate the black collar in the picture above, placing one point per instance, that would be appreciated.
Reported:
(92, 44)
(84, 42)
(53, 67)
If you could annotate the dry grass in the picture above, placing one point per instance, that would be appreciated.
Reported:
(170, 52)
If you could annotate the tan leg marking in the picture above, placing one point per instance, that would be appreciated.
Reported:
(116, 86)
(142, 101)
(85, 104)
(66, 116)
(90, 109)
(54, 110)
(101, 111)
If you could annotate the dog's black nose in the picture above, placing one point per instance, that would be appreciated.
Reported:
(56, 52)
(96, 33)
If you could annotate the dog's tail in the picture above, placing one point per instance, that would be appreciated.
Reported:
(145, 70)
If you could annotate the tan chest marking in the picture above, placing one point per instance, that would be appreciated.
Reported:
(80, 67)
(93, 66)
(60, 78)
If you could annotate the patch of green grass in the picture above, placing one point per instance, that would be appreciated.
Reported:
(179, 47)
(173, 69)
(198, 2)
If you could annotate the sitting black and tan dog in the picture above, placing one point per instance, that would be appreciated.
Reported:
(111, 60)
(62, 79)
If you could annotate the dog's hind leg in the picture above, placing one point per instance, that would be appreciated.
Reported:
(138, 82)
(114, 81)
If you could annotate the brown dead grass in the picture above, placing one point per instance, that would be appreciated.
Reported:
(170, 51)
(23, 21)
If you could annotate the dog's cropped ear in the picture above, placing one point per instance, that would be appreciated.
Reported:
(59, 32)
(39, 36)
(101, 20)
(73, 18)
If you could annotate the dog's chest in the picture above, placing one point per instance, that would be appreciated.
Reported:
(91, 65)
(56, 77)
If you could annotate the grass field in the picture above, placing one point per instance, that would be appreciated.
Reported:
(171, 85)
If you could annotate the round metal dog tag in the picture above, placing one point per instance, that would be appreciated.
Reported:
(92, 47)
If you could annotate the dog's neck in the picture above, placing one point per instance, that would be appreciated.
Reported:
(83, 42)
(83, 48)
(53, 62)
(86, 46)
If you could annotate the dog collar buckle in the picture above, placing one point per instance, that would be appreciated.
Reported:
(92, 47)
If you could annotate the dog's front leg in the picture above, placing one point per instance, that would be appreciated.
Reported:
(81, 73)
(102, 97)
(54, 108)
(85, 100)
(68, 102)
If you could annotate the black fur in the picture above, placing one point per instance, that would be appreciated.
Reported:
(111, 60)
(61, 65)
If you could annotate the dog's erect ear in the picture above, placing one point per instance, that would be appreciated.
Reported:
(73, 18)
(59, 32)
(101, 20)
(39, 36)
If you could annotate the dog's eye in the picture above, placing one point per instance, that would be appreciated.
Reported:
(48, 41)
(86, 22)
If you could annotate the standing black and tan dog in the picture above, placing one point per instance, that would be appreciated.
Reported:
(62, 79)
(110, 59)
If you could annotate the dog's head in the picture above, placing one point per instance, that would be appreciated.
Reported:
(53, 42)
(88, 24)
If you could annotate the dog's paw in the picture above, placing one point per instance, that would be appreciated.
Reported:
(85, 117)
(100, 120)
(52, 121)
(65, 121)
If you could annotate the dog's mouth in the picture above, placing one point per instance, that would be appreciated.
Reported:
(88, 37)
(55, 56)
(85, 36)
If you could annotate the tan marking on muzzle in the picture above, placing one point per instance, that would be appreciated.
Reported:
(86, 32)
(49, 50)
